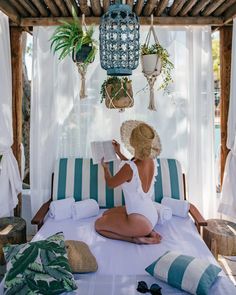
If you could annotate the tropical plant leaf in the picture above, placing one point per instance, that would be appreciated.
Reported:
(27, 257)
(51, 246)
(69, 284)
(36, 267)
(57, 273)
(61, 261)
(10, 251)
(14, 290)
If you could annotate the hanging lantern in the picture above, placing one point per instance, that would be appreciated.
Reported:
(119, 40)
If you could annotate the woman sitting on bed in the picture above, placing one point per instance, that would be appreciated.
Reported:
(135, 221)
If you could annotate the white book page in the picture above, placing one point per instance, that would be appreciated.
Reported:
(109, 152)
(97, 151)
(102, 149)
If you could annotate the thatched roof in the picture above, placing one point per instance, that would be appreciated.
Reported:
(28, 13)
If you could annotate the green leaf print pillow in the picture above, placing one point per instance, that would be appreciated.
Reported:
(38, 268)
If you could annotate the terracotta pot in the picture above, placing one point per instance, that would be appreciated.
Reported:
(151, 64)
(118, 97)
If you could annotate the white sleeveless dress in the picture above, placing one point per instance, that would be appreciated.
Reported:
(136, 200)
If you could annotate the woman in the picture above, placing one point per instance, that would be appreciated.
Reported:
(135, 221)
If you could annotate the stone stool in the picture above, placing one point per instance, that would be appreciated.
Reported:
(12, 231)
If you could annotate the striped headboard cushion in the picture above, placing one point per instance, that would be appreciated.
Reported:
(169, 181)
(81, 179)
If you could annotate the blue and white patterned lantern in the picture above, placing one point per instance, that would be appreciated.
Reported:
(119, 40)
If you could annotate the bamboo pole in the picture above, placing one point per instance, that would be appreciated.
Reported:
(17, 93)
(176, 7)
(161, 7)
(225, 72)
(187, 7)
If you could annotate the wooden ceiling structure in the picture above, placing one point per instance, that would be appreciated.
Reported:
(25, 14)
(28, 13)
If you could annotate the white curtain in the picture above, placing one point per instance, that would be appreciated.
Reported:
(228, 195)
(62, 125)
(10, 182)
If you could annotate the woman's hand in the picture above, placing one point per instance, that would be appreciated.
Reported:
(104, 165)
(116, 146)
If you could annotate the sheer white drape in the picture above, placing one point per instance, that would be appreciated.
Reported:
(10, 182)
(228, 195)
(62, 125)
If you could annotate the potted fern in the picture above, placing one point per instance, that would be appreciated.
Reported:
(75, 39)
(117, 93)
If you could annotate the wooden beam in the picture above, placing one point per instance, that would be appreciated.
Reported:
(162, 21)
(138, 7)
(85, 9)
(130, 3)
(52, 7)
(22, 11)
(10, 11)
(230, 13)
(39, 4)
(30, 7)
(17, 93)
(62, 7)
(70, 4)
(149, 7)
(199, 7)
(225, 73)
(176, 7)
(106, 4)
(210, 8)
(96, 7)
(187, 7)
(161, 7)
(220, 10)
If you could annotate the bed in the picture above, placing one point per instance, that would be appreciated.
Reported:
(120, 264)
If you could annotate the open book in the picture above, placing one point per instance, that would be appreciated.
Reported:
(102, 149)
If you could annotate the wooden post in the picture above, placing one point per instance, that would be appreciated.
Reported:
(17, 92)
(225, 72)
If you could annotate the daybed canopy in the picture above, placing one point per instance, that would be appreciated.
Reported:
(25, 14)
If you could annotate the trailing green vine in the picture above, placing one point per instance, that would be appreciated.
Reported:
(167, 65)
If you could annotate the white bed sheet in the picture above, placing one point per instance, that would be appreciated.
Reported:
(121, 264)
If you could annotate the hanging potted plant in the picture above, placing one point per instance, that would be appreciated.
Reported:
(117, 93)
(155, 60)
(75, 39)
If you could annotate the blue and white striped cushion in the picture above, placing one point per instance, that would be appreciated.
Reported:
(184, 272)
(169, 181)
(79, 178)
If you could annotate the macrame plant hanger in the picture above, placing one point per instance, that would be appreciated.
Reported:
(82, 67)
(151, 78)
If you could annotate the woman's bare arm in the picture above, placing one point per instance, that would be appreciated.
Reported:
(116, 146)
(123, 175)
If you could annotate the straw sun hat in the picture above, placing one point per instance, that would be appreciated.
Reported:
(140, 139)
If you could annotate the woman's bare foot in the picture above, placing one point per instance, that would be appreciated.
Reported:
(146, 240)
(154, 234)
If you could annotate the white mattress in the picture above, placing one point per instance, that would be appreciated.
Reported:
(122, 264)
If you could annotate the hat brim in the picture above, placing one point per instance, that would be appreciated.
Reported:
(125, 133)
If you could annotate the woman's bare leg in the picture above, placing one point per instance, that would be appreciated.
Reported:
(137, 240)
(119, 209)
(132, 228)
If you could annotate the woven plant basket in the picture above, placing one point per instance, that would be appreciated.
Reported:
(119, 95)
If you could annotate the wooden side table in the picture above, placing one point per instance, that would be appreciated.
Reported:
(12, 231)
(220, 237)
